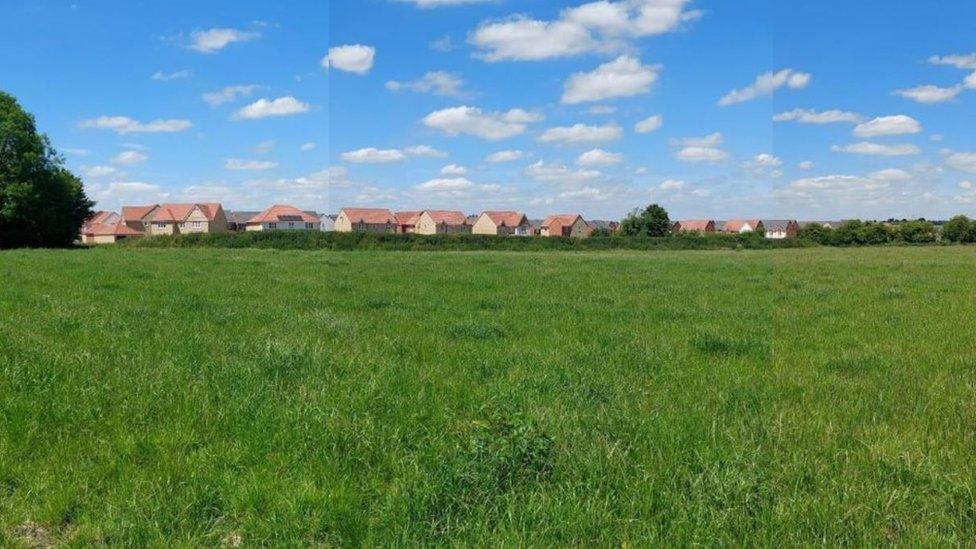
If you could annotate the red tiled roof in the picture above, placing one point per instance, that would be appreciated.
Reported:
(694, 224)
(136, 213)
(509, 219)
(563, 220)
(369, 215)
(407, 218)
(177, 213)
(99, 217)
(447, 217)
(117, 229)
(276, 213)
(735, 225)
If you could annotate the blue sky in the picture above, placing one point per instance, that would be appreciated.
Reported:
(823, 109)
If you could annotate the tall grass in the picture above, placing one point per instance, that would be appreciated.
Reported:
(203, 396)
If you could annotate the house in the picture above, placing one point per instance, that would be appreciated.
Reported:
(502, 224)
(780, 228)
(568, 225)
(327, 223)
(406, 222)
(441, 222)
(368, 220)
(237, 221)
(599, 224)
(187, 218)
(742, 226)
(106, 228)
(693, 226)
(282, 217)
(137, 217)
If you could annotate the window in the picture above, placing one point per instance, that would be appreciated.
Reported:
(196, 224)
(272, 225)
(160, 225)
(310, 225)
(291, 225)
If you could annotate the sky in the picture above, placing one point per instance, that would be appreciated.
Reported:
(714, 109)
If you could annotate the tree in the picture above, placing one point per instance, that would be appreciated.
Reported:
(915, 232)
(651, 221)
(959, 229)
(42, 204)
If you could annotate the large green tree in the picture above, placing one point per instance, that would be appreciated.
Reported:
(42, 204)
(651, 221)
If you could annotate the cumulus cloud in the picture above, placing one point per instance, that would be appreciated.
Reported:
(129, 158)
(599, 157)
(435, 82)
(124, 125)
(766, 84)
(967, 61)
(595, 26)
(491, 126)
(264, 108)
(354, 58)
(214, 40)
(764, 164)
(581, 133)
(371, 155)
(309, 146)
(599, 110)
(930, 94)
(454, 170)
(161, 76)
(96, 172)
(879, 149)
(701, 149)
(504, 156)
(622, 77)
(649, 124)
(558, 173)
(805, 165)
(810, 116)
(425, 151)
(837, 192)
(672, 185)
(228, 94)
(888, 125)
(962, 161)
(249, 165)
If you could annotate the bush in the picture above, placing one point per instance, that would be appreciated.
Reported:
(915, 232)
(960, 229)
(652, 221)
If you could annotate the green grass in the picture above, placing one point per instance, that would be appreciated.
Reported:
(191, 396)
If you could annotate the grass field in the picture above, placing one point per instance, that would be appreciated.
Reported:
(207, 396)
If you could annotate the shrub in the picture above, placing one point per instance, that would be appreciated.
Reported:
(960, 229)
(915, 232)
(652, 221)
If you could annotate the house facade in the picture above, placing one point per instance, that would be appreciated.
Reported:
(369, 220)
(282, 217)
(442, 222)
(170, 219)
(137, 217)
(568, 225)
(505, 223)
(327, 223)
(743, 226)
(780, 228)
(693, 226)
(406, 222)
(106, 228)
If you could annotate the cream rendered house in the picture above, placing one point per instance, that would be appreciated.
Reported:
(368, 220)
(568, 225)
(282, 217)
(502, 224)
(186, 219)
(441, 222)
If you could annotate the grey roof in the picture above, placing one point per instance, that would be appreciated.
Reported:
(776, 224)
(600, 224)
(240, 217)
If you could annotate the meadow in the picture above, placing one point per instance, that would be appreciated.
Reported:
(272, 397)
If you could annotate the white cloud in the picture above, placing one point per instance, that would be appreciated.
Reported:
(586, 193)
(161, 76)
(702, 154)
(310, 146)
(263, 108)
(596, 26)
(372, 155)
(882, 189)
(810, 116)
(930, 94)
(96, 172)
(446, 184)
(766, 84)
(424, 151)
(890, 174)
(622, 77)
(354, 58)
(443, 44)
(129, 158)
(888, 125)
(249, 165)
(123, 125)
(963, 161)
(865, 147)
(970, 81)
(672, 185)
(558, 173)
(581, 133)
(966, 185)
(967, 61)
(599, 157)
(649, 124)
(504, 156)
(599, 110)
(214, 40)
(454, 170)
(710, 140)
(228, 94)
(805, 165)
(764, 164)
(436, 82)
(492, 126)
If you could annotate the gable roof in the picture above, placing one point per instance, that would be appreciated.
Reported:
(240, 217)
(99, 217)
(777, 225)
(563, 220)
(282, 213)
(735, 225)
(110, 229)
(694, 224)
(407, 218)
(369, 215)
(506, 218)
(137, 213)
(177, 213)
(446, 217)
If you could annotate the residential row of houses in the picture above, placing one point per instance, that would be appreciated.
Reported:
(166, 219)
